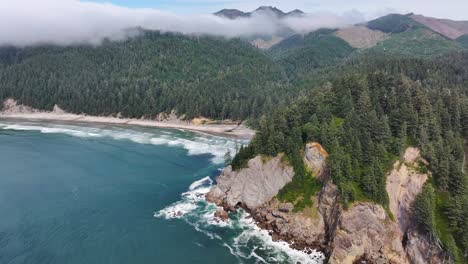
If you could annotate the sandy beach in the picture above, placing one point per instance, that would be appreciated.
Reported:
(11, 111)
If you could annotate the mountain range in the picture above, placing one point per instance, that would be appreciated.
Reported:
(262, 10)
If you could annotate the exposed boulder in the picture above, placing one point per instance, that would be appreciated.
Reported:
(221, 214)
(286, 207)
(252, 186)
(58, 110)
(315, 159)
(365, 232)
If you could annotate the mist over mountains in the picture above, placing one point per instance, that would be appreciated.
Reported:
(66, 22)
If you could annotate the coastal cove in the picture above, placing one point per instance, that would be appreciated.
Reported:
(101, 193)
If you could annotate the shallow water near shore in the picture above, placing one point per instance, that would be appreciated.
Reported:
(109, 194)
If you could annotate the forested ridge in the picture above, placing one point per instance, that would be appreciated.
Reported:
(144, 76)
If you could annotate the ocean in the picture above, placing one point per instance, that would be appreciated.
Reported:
(114, 194)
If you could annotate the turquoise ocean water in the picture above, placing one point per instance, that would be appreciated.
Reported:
(109, 194)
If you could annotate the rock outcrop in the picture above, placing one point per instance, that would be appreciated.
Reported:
(403, 184)
(315, 159)
(420, 250)
(253, 186)
(365, 232)
(311, 228)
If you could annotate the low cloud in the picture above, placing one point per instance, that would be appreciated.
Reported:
(65, 22)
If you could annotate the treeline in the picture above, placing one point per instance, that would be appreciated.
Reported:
(365, 119)
(146, 75)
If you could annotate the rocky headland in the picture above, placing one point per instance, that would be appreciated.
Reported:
(362, 233)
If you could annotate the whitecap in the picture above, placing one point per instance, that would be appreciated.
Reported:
(195, 145)
(250, 242)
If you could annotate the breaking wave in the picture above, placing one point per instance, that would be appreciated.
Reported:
(244, 239)
(195, 144)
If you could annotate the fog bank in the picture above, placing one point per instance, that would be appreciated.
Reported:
(64, 22)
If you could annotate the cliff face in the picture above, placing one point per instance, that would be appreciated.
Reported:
(311, 228)
(253, 186)
(363, 232)
(403, 185)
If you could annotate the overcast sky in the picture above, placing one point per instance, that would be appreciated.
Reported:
(28, 22)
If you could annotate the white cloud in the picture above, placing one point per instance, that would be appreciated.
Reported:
(27, 22)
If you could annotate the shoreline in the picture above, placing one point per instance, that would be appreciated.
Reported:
(228, 131)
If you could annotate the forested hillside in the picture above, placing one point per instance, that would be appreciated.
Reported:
(365, 117)
(300, 55)
(144, 76)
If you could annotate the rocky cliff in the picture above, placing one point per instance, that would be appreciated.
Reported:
(362, 233)
(403, 184)
(252, 186)
(366, 233)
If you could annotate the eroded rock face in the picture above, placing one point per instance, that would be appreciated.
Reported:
(403, 185)
(315, 159)
(252, 186)
(421, 251)
(311, 228)
(365, 232)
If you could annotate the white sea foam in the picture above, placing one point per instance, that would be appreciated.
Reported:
(283, 252)
(248, 242)
(188, 203)
(194, 144)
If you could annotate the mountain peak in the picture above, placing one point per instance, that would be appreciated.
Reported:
(269, 10)
(231, 13)
(295, 12)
